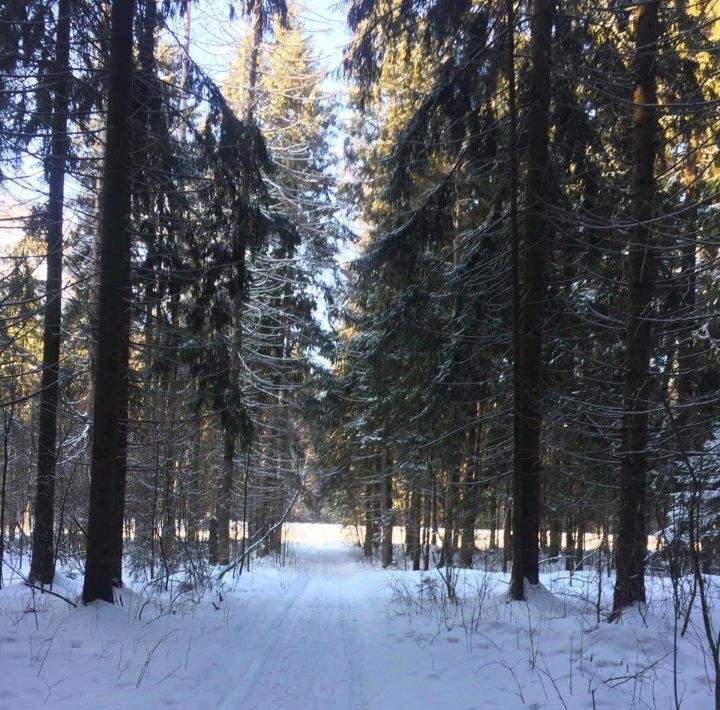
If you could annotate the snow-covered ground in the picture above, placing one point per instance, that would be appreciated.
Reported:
(330, 632)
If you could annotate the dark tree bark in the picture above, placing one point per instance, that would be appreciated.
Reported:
(258, 21)
(492, 543)
(434, 510)
(631, 541)
(213, 540)
(555, 537)
(388, 517)
(508, 542)
(121, 474)
(8, 416)
(111, 376)
(427, 525)
(186, 9)
(471, 493)
(580, 546)
(447, 552)
(416, 506)
(93, 295)
(528, 370)
(569, 547)
(224, 505)
(192, 492)
(412, 524)
(687, 355)
(150, 105)
(513, 514)
(42, 567)
(369, 521)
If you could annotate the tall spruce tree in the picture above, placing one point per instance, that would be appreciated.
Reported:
(111, 380)
(42, 568)
(631, 545)
(528, 371)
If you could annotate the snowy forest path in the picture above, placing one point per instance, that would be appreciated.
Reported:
(307, 652)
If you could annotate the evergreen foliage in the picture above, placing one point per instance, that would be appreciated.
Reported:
(521, 354)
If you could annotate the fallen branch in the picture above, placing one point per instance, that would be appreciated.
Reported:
(34, 587)
(615, 681)
(49, 591)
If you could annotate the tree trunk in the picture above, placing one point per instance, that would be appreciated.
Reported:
(224, 506)
(492, 543)
(121, 475)
(93, 297)
(8, 416)
(147, 507)
(631, 542)
(173, 457)
(42, 567)
(262, 509)
(427, 526)
(528, 376)
(412, 525)
(447, 553)
(192, 491)
(169, 512)
(258, 18)
(471, 490)
(213, 540)
(434, 511)
(230, 435)
(388, 518)
(508, 542)
(369, 521)
(687, 360)
(580, 546)
(569, 547)
(114, 302)
(470, 503)
(555, 537)
(517, 581)
(150, 103)
(186, 9)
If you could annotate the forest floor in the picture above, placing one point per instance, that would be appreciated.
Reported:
(329, 632)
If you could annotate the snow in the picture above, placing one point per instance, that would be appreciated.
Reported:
(328, 631)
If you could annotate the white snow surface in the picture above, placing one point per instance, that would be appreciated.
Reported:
(330, 632)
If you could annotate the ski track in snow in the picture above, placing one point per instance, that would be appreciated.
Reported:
(307, 655)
